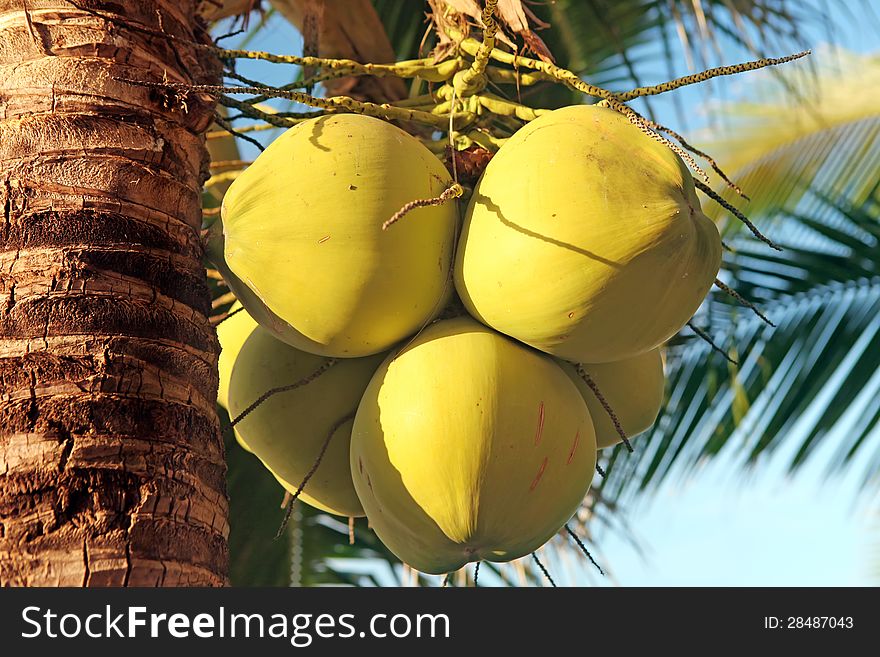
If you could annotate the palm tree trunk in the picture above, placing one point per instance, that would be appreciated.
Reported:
(111, 462)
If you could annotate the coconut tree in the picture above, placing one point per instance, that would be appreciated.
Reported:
(112, 463)
(113, 460)
(611, 44)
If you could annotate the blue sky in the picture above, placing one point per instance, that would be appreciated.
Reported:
(720, 525)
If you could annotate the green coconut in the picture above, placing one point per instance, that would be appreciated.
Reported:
(288, 430)
(584, 238)
(468, 446)
(232, 333)
(633, 389)
(302, 232)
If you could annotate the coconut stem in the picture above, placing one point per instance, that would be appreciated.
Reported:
(543, 569)
(584, 549)
(440, 72)
(474, 78)
(223, 134)
(229, 164)
(717, 169)
(293, 498)
(333, 104)
(480, 103)
(745, 302)
(452, 192)
(711, 193)
(707, 338)
(503, 107)
(477, 573)
(610, 411)
(222, 300)
(219, 319)
(708, 75)
(506, 76)
(251, 112)
(472, 47)
(342, 68)
(326, 365)
(227, 126)
(485, 140)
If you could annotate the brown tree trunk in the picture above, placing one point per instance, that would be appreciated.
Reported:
(111, 462)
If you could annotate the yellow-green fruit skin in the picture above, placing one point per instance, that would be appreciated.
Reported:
(584, 238)
(232, 333)
(633, 388)
(303, 231)
(469, 446)
(287, 431)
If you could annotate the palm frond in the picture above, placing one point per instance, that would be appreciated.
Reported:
(780, 148)
(814, 177)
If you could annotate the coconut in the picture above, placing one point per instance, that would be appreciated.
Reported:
(467, 446)
(288, 430)
(245, 297)
(584, 238)
(232, 333)
(302, 229)
(633, 389)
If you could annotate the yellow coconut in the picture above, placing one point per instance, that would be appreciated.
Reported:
(288, 430)
(255, 308)
(232, 333)
(303, 232)
(467, 446)
(633, 388)
(584, 238)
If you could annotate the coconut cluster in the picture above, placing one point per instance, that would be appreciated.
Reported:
(582, 250)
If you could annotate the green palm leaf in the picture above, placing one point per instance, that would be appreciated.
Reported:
(813, 173)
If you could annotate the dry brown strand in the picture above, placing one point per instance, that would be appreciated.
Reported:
(311, 472)
(711, 193)
(707, 338)
(604, 402)
(326, 365)
(743, 301)
(454, 191)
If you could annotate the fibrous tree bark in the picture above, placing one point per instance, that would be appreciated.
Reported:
(111, 462)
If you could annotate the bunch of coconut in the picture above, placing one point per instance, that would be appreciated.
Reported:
(581, 250)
